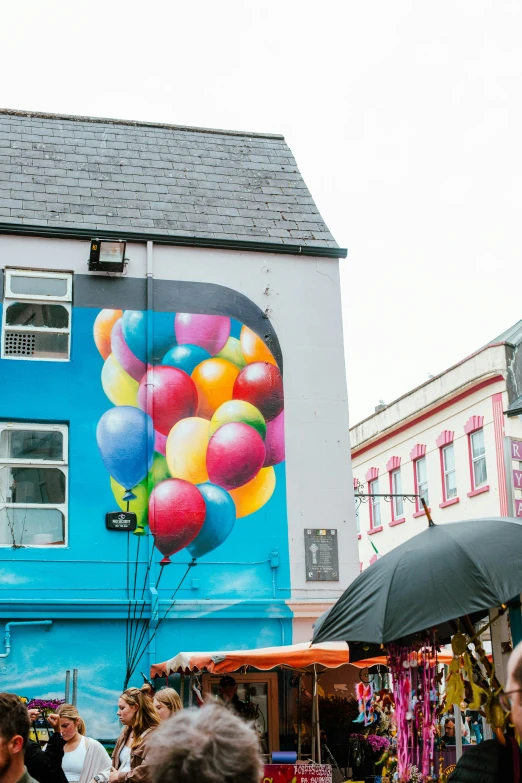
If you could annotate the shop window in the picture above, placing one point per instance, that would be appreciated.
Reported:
(36, 318)
(375, 504)
(33, 484)
(477, 455)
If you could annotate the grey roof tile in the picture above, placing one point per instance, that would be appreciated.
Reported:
(172, 180)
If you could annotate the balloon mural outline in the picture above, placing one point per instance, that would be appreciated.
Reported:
(192, 440)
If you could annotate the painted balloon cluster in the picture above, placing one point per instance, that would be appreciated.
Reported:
(193, 438)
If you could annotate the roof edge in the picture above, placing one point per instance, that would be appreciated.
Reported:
(66, 232)
(139, 123)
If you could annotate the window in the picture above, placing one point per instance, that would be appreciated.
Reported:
(478, 458)
(449, 473)
(421, 479)
(36, 319)
(375, 505)
(33, 484)
(396, 489)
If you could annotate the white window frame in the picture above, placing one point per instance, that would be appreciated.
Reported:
(422, 486)
(447, 473)
(62, 464)
(375, 504)
(11, 298)
(474, 460)
(394, 475)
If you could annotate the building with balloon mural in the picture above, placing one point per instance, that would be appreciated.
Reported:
(172, 355)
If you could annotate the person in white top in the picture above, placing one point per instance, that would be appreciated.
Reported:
(83, 756)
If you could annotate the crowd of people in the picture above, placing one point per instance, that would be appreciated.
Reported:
(160, 742)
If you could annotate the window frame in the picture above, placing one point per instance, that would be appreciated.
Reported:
(61, 464)
(445, 472)
(474, 425)
(396, 516)
(11, 298)
(374, 502)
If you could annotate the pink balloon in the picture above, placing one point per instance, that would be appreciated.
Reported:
(160, 442)
(275, 440)
(235, 455)
(210, 332)
(130, 363)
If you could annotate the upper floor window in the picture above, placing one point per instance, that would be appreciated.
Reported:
(420, 477)
(375, 504)
(474, 429)
(33, 484)
(396, 488)
(450, 474)
(36, 319)
(478, 458)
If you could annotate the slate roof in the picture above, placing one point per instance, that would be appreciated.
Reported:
(119, 175)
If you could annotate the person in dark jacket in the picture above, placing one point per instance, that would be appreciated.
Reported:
(45, 766)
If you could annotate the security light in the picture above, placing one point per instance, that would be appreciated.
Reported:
(107, 255)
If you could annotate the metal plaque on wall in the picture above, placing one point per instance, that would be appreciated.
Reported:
(321, 555)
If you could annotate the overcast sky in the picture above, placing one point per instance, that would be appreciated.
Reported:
(404, 117)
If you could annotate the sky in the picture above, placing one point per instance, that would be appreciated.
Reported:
(405, 119)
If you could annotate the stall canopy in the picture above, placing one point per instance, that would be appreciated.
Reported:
(298, 657)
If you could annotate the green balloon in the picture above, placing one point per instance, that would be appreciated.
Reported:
(240, 411)
(232, 352)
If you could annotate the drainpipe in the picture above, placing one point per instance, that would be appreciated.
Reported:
(7, 634)
(154, 597)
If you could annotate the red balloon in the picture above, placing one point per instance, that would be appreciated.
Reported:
(174, 396)
(261, 384)
(176, 514)
(235, 455)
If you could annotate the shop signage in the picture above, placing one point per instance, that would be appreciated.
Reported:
(517, 479)
(516, 449)
(297, 773)
(121, 520)
(518, 507)
(321, 555)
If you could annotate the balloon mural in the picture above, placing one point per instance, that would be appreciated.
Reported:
(192, 441)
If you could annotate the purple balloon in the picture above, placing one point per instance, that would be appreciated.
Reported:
(125, 437)
(210, 332)
(130, 363)
(275, 440)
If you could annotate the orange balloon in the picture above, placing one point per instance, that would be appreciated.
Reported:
(253, 495)
(103, 324)
(253, 347)
(214, 379)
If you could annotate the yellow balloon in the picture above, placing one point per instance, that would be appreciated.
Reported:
(103, 324)
(119, 387)
(186, 450)
(140, 506)
(253, 347)
(252, 496)
(214, 379)
(232, 353)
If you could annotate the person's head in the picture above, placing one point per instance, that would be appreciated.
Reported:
(71, 723)
(227, 687)
(512, 697)
(167, 702)
(210, 744)
(136, 710)
(449, 728)
(14, 731)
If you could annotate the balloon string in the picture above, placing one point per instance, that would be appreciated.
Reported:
(143, 644)
(133, 618)
(137, 620)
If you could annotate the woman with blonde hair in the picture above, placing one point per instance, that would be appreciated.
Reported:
(83, 757)
(167, 702)
(129, 759)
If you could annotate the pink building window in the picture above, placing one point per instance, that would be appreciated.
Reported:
(372, 477)
(474, 429)
(420, 476)
(393, 466)
(448, 473)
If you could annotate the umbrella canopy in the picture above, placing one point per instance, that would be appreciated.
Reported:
(295, 656)
(445, 572)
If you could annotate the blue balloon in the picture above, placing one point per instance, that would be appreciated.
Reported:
(185, 357)
(134, 325)
(219, 520)
(125, 437)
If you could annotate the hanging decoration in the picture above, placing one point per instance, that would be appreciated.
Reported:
(364, 693)
(413, 670)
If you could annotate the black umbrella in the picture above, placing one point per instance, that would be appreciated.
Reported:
(446, 572)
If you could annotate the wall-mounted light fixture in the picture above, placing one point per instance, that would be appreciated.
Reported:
(107, 255)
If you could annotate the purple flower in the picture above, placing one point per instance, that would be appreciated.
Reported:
(378, 744)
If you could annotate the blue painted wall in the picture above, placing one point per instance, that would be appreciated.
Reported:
(85, 587)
